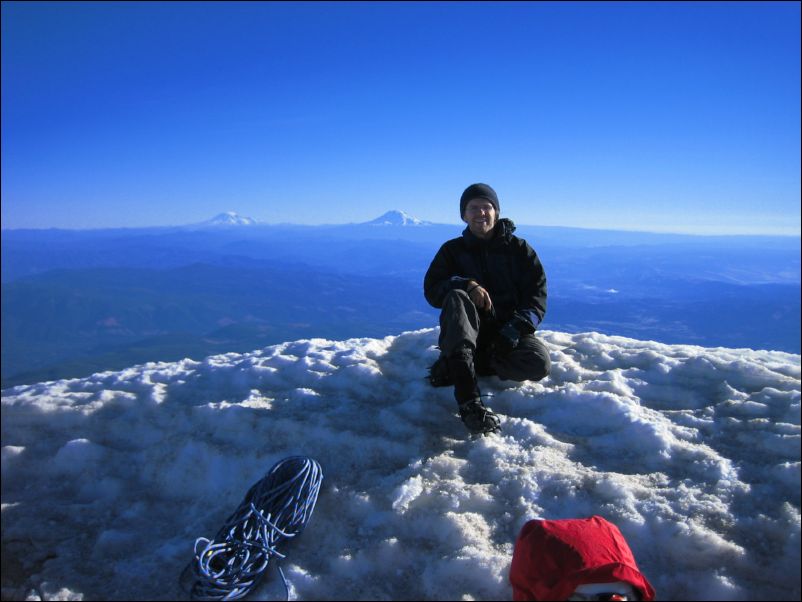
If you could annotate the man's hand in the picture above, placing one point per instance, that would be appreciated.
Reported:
(479, 296)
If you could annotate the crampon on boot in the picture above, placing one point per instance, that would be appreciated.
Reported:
(478, 418)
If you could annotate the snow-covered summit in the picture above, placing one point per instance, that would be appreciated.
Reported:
(229, 218)
(397, 218)
(693, 453)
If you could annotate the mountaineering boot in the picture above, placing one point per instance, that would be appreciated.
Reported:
(478, 418)
(474, 414)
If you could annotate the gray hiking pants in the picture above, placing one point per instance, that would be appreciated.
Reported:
(461, 324)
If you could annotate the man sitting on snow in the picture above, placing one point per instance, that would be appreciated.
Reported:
(491, 288)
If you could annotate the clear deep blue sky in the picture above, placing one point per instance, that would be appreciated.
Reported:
(679, 117)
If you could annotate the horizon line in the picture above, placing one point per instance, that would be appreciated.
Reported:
(206, 225)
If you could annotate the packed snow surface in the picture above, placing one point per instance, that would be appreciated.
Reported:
(693, 453)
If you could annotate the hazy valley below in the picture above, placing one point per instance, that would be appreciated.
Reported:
(78, 302)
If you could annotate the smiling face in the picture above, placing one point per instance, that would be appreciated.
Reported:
(480, 215)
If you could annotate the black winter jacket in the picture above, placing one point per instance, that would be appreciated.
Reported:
(506, 266)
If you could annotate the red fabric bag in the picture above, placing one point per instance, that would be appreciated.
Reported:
(553, 557)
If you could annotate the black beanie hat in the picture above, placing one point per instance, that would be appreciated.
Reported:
(478, 191)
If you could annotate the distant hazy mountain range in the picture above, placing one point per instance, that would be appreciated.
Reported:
(231, 218)
(75, 302)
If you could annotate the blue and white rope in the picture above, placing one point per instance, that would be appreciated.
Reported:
(275, 509)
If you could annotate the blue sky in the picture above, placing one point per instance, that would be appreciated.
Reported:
(679, 117)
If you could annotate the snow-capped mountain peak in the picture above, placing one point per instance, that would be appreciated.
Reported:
(397, 218)
(229, 218)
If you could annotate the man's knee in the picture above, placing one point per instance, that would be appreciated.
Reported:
(459, 322)
(540, 362)
(534, 369)
(456, 296)
(528, 362)
(541, 368)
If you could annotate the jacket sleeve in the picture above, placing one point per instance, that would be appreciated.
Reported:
(441, 277)
(532, 308)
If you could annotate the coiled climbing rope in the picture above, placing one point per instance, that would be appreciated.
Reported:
(276, 508)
